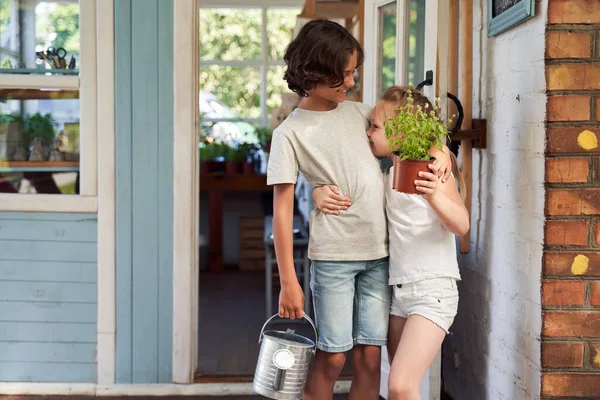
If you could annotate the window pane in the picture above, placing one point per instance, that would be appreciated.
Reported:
(275, 87)
(280, 25)
(416, 42)
(238, 88)
(230, 34)
(38, 36)
(39, 141)
(387, 46)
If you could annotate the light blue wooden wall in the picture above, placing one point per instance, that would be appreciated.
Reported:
(48, 297)
(144, 154)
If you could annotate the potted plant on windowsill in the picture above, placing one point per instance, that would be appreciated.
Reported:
(206, 156)
(411, 134)
(233, 161)
(246, 154)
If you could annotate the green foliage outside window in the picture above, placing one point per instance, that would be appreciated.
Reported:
(235, 35)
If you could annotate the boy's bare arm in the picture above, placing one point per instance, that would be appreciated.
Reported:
(291, 297)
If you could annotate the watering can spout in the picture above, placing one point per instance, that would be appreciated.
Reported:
(278, 379)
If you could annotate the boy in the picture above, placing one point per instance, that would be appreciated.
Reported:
(325, 139)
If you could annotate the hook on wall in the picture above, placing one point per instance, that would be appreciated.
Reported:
(477, 132)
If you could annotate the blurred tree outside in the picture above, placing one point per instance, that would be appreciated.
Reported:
(57, 25)
(4, 16)
(230, 52)
(388, 46)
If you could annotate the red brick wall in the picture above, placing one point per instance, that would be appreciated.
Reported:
(571, 271)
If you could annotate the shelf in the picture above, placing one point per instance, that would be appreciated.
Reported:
(39, 166)
(238, 182)
(39, 71)
(35, 94)
(35, 81)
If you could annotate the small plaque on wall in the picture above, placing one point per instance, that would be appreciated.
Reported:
(505, 14)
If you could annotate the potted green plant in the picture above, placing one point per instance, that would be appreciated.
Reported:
(233, 160)
(264, 135)
(39, 126)
(246, 153)
(411, 133)
(206, 156)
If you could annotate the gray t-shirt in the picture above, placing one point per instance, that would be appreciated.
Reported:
(331, 147)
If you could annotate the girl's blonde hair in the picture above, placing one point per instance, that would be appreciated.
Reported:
(397, 97)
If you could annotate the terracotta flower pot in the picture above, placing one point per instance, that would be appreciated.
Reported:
(217, 166)
(204, 167)
(232, 167)
(406, 172)
(248, 168)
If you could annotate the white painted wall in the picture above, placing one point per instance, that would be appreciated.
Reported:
(494, 352)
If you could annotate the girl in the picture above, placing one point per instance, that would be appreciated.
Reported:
(423, 265)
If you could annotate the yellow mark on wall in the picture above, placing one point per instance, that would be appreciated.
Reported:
(580, 265)
(587, 140)
(597, 357)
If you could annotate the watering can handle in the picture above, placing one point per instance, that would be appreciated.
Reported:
(306, 317)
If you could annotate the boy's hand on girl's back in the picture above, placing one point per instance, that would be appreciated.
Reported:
(443, 169)
(443, 162)
(329, 200)
(291, 301)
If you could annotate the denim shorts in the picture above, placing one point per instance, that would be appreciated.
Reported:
(352, 303)
(435, 299)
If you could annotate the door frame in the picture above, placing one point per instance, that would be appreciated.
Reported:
(185, 190)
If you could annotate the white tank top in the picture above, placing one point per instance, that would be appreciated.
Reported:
(420, 246)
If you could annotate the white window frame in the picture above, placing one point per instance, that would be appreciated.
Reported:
(371, 68)
(87, 83)
(105, 66)
(264, 62)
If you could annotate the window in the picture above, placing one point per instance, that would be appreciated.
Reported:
(387, 47)
(400, 44)
(48, 97)
(241, 61)
(416, 42)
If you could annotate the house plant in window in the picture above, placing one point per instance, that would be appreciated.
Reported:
(412, 131)
(234, 157)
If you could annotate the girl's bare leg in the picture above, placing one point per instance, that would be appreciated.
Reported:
(419, 343)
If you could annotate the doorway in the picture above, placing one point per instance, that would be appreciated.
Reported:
(242, 96)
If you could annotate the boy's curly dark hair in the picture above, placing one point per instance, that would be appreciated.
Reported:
(319, 55)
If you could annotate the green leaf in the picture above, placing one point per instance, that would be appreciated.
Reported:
(414, 131)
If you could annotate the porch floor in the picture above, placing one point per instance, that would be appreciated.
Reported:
(231, 315)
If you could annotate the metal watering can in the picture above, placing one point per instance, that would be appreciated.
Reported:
(283, 362)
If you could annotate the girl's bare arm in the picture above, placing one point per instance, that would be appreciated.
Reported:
(445, 201)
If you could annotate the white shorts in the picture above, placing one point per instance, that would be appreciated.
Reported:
(435, 299)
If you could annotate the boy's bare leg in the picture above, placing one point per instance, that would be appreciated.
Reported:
(366, 361)
(395, 328)
(325, 371)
